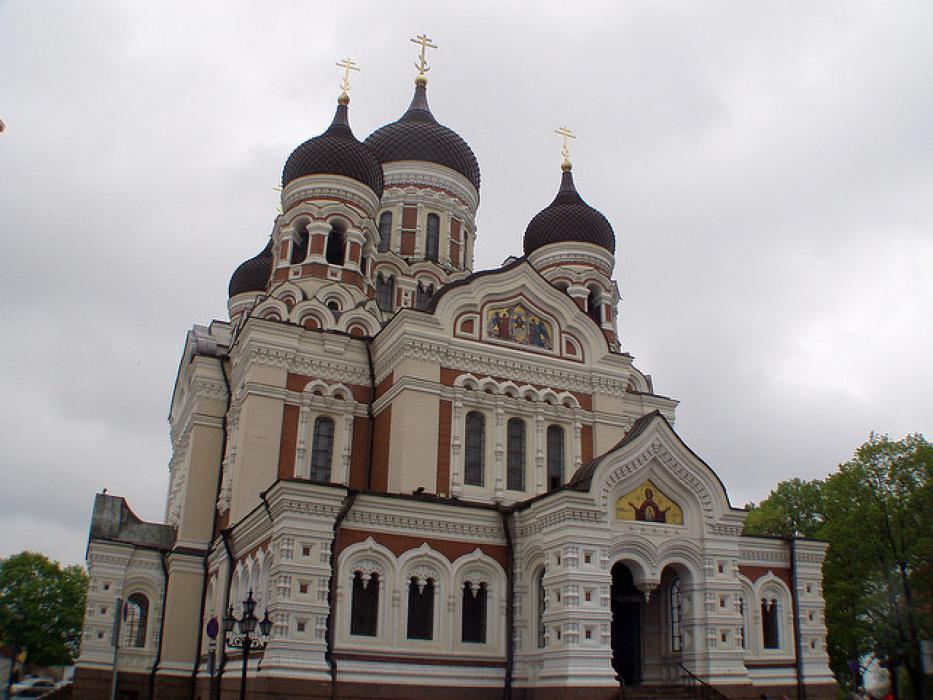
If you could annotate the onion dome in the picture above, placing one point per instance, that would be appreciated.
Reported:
(252, 275)
(569, 219)
(335, 152)
(417, 135)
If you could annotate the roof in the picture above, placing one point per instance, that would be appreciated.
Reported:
(252, 275)
(569, 218)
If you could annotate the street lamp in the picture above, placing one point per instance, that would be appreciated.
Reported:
(242, 638)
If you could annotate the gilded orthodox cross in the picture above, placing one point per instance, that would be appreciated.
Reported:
(565, 149)
(422, 63)
(347, 64)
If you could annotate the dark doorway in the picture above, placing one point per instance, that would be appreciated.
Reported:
(626, 626)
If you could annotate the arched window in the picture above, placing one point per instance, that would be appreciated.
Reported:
(539, 613)
(593, 304)
(423, 295)
(385, 231)
(474, 613)
(420, 609)
(335, 246)
(475, 449)
(770, 636)
(322, 448)
(515, 463)
(136, 620)
(364, 608)
(677, 615)
(555, 457)
(299, 244)
(385, 292)
(742, 611)
(432, 237)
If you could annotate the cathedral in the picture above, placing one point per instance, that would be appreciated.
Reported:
(393, 476)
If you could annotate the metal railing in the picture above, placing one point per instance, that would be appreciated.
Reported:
(701, 689)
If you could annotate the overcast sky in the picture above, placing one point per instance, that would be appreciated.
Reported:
(767, 167)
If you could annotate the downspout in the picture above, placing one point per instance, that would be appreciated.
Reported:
(158, 656)
(205, 562)
(798, 656)
(332, 592)
(372, 419)
(507, 516)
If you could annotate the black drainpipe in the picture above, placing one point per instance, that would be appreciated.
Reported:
(798, 657)
(372, 419)
(158, 656)
(332, 592)
(507, 516)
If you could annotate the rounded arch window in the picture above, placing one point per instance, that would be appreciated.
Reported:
(594, 305)
(385, 231)
(136, 615)
(299, 243)
(432, 237)
(336, 243)
(474, 449)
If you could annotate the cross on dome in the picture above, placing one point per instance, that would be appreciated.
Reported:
(422, 63)
(347, 64)
(567, 134)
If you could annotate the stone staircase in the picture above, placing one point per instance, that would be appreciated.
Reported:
(658, 692)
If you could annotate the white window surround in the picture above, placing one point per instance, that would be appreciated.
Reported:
(771, 587)
(322, 400)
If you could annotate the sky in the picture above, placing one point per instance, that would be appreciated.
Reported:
(767, 167)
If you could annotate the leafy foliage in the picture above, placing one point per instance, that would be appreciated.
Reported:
(41, 608)
(876, 512)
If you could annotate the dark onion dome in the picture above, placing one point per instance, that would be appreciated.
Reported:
(569, 219)
(335, 152)
(417, 135)
(252, 275)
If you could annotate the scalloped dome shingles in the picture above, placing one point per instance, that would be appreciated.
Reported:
(252, 275)
(335, 152)
(417, 135)
(569, 218)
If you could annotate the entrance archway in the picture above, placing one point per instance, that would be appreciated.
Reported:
(627, 604)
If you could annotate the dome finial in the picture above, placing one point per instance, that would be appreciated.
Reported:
(565, 149)
(422, 64)
(347, 64)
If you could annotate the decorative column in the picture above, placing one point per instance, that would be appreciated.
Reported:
(456, 452)
(499, 449)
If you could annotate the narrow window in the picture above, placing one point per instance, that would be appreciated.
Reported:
(423, 296)
(420, 609)
(364, 608)
(335, 246)
(385, 231)
(433, 237)
(385, 292)
(299, 245)
(540, 611)
(593, 306)
(769, 624)
(555, 457)
(474, 613)
(742, 613)
(677, 616)
(322, 449)
(515, 469)
(137, 618)
(475, 449)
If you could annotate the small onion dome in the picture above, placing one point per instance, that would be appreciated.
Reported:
(335, 152)
(252, 275)
(417, 135)
(569, 219)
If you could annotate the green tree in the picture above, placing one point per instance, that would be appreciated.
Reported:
(876, 512)
(41, 608)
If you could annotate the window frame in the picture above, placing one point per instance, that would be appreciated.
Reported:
(477, 450)
(516, 454)
(314, 469)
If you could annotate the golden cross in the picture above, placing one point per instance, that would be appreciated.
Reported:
(347, 64)
(425, 42)
(567, 134)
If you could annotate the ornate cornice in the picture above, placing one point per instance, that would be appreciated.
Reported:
(451, 528)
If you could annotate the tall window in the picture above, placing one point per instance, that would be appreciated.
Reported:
(335, 246)
(742, 613)
(322, 448)
(423, 295)
(432, 238)
(385, 231)
(474, 613)
(515, 464)
(769, 624)
(420, 609)
(592, 306)
(542, 606)
(299, 245)
(677, 615)
(137, 620)
(475, 449)
(555, 457)
(385, 292)
(364, 608)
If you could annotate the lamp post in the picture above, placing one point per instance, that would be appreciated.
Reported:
(242, 638)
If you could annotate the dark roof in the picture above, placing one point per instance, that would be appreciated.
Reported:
(252, 275)
(580, 481)
(417, 135)
(569, 218)
(335, 152)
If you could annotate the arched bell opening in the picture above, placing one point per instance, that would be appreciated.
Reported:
(627, 611)
(667, 637)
